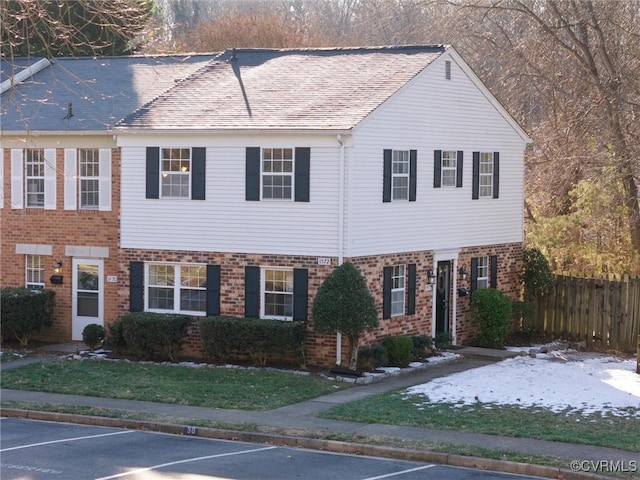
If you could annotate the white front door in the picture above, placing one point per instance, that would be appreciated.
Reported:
(88, 295)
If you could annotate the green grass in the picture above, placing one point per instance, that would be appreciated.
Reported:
(205, 387)
(394, 408)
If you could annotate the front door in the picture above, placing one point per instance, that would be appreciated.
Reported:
(443, 292)
(88, 293)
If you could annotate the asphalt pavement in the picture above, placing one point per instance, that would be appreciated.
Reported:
(297, 423)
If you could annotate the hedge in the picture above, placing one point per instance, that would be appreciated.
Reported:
(149, 335)
(25, 311)
(226, 339)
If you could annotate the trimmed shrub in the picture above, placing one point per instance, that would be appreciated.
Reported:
(491, 310)
(25, 311)
(442, 340)
(344, 304)
(226, 339)
(372, 357)
(399, 350)
(150, 335)
(422, 345)
(93, 335)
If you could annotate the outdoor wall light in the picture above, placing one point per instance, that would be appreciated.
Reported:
(463, 273)
(463, 292)
(57, 278)
(431, 277)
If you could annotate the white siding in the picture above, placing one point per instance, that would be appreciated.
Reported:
(225, 221)
(431, 114)
(70, 179)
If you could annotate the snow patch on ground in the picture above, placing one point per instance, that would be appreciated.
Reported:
(555, 381)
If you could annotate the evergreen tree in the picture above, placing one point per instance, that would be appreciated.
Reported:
(79, 28)
(344, 304)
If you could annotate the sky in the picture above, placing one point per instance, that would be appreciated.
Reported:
(580, 382)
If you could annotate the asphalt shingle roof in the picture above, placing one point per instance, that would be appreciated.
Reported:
(102, 90)
(286, 89)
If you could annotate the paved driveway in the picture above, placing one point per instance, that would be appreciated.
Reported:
(36, 450)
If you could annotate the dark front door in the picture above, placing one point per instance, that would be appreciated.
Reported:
(443, 289)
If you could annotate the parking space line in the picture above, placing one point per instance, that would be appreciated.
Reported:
(74, 439)
(187, 460)
(388, 475)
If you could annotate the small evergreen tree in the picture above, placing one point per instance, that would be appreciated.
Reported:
(344, 304)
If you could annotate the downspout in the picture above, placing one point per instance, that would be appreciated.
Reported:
(341, 211)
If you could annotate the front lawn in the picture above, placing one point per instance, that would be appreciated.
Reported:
(204, 387)
(396, 408)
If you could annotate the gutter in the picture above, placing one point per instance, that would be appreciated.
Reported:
(24, 74)
(341, 211)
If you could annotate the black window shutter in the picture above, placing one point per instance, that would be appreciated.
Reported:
(252, 173)
(302, 170)
(474, 274)
(300, 293)
(213, 290)
(496, 174)
(252, 292)
(411, 301)
(493, 271)
(475, 189)
(153, 172)
(413, 174)
(386, 295)
(386, 177)
(136, 286)
(198, 171)
(437, 168)
(459, 163)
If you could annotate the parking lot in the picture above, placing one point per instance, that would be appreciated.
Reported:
(37, 450)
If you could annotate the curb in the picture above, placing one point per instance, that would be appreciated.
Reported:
(312, 443)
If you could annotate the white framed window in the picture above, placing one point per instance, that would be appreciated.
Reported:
(482, 272)
(89, 178)
(172, 288)
(175, 178)
(398, 282)
(486, 175)
(449, 168)
(34, 163)
(277, 294)
(400, 175)
(277, 173)
(34, 271)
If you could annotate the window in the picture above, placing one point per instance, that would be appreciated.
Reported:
(400, 175)
(449, 168)
(34, 177)
(34, 271)
(89, 178)
(486, 174)
(277, 294)
(277, 173)
(175, 172)
(177, 288)
(397, 290)
(482, 272)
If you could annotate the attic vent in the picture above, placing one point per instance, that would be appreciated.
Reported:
(447, 70)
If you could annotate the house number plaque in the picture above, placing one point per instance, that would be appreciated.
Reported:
(324, 261)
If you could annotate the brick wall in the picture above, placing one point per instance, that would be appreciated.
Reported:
(321, 349)
(59, 228)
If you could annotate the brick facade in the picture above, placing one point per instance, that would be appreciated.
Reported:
(321, 349)
(60, 228)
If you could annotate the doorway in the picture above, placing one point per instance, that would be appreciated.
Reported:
(443, 294)
(88, 295)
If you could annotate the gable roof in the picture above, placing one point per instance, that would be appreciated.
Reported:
(288, 89)
(101, 90)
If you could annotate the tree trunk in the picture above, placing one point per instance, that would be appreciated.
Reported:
(353, 352)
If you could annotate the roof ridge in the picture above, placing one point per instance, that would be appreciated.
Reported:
(434, 46)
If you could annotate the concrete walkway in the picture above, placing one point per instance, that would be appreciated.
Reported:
(299, 419)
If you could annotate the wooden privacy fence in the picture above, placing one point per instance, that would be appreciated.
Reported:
(603, 311)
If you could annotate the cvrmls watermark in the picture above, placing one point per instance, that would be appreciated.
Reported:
(604, 466)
